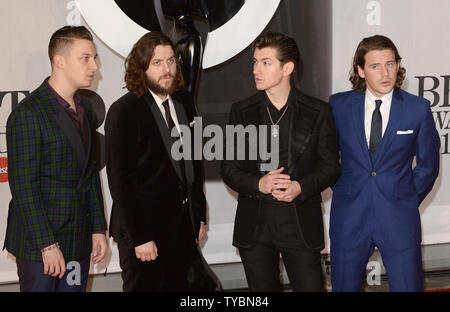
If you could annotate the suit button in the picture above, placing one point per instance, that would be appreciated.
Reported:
(373, 174)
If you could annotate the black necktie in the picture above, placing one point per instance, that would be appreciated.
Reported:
(171, 125)
(375, 129)
(170, 122)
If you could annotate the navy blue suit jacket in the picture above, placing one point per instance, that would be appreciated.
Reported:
(384, 191)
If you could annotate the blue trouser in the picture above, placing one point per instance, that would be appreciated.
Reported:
(403, 267)
(32, 277)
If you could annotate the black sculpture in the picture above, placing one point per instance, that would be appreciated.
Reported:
(186, 37)
(183, 33)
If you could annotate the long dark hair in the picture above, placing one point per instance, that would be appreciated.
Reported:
(376, 42)
(137, 62)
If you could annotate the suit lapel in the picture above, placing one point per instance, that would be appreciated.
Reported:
(253, 114)
(68, 129)
(357, 107)
(182, 120)
(302, 123)
(164, 131)
(90, 143)
(395, 116)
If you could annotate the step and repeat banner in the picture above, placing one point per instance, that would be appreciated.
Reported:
(327, 33)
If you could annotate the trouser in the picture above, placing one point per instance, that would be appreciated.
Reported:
(403, 267)
(168, 272)
(279, 235)
(32, 277)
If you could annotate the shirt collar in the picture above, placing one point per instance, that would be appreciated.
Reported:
(61, 100)
(158, 100)
(387, 98)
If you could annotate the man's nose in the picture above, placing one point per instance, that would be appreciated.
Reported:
(256, 69)
(166, 67)
(94, 65)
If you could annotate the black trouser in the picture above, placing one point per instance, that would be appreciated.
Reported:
(168, 272)
(278, 234)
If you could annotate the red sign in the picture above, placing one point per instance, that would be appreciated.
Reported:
(3, 169)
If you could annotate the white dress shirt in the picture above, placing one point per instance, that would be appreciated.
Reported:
(173, 113)
(369, 107)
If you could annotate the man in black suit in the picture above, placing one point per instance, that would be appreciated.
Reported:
(159, 209)
(280, 211)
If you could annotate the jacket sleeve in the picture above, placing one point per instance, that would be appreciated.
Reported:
(233, 170)
(24, 143)
(198, 195)
(96, 205)
(427, 155)
(326, 170)
(121, 133)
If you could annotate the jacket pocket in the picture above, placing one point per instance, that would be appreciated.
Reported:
(406, 193)
(343, 190)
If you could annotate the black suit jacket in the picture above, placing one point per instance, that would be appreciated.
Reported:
(145, 182)
(313, 161)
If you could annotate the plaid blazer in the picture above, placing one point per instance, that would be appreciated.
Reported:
(54, 182)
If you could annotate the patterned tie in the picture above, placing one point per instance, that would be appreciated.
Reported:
(375, 129)
(171, 125)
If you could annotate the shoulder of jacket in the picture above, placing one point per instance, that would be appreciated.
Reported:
(252, 100)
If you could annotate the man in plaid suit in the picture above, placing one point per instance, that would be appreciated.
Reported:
(56, 215)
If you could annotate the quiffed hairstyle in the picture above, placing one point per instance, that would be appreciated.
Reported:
(137, 62)
(286, 47)
(376, 42)
(63, 37)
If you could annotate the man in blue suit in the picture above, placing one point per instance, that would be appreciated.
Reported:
(375, 201)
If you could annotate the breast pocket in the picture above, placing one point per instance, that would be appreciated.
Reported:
(405, 139)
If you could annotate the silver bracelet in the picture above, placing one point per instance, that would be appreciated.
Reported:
(53, 246)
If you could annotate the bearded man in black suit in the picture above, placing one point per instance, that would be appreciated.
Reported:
(159, 209)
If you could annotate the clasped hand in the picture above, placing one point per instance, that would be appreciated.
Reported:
(279, 185)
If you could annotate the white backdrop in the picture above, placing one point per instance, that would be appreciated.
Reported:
(419, 28)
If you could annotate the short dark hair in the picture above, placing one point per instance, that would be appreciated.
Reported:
(137, 62)
(65, 36)
(286, 47)
(368, 44)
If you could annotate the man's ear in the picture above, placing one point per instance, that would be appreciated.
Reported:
(288, 68)
(58, 61)
(361, 72)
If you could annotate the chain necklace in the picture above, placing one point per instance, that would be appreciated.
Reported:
(274, 129)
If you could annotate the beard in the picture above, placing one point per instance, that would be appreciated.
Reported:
(158, 89)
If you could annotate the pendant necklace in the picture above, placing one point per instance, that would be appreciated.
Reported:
(274, 129)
